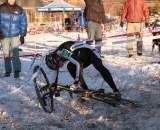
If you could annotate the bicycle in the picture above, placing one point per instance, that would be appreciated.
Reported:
(46, 92)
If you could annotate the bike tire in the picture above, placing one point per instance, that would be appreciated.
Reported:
(110, 99)
(43, 90)
(123, 101)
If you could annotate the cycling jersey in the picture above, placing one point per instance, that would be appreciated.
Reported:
(66, 52)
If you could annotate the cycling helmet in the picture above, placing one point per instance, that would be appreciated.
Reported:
(52, 60)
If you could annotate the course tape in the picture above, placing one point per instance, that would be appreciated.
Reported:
(27, 55)
(107, 42)
(135, 33)
(149, 30)
(136, 39)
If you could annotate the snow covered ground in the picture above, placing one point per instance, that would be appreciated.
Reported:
(138, 78)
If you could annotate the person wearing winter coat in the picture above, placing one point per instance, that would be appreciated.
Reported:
(13, 28)
(135, 13)
(95, 15)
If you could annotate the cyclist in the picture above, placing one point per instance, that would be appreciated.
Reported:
(80, 55)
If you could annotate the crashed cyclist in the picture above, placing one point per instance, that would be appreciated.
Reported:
(80, 56)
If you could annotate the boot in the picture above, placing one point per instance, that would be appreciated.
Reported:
(117, 95)
(139, 48)
(7, 74)
(16, 74)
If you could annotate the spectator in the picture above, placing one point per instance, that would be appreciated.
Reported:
(13, 25)
(135, 12)
(95, 16)
(156, 28)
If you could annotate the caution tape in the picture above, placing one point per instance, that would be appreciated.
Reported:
(134, 33)
(27, 55)
(125, 41)
(136, 39)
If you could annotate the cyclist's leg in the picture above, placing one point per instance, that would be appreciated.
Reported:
(72, 69)
(84, 56)
(97, 63)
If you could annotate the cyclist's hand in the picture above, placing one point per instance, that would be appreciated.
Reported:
(75, 85)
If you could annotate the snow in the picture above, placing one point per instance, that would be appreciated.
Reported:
(138, 78)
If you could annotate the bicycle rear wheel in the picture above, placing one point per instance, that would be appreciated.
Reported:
(111, 99)
(43, 90)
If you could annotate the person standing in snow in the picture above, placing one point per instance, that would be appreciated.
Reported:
(135, 13)
(13, 27)
(94, 13)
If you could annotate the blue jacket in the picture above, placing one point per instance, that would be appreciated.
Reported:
(13, 20)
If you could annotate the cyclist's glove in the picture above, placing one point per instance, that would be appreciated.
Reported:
(76, 82)
(75, 85)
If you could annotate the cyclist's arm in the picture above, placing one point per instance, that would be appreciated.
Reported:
(77, 64)
(64, 53)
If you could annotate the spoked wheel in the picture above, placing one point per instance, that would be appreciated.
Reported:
(43, 90)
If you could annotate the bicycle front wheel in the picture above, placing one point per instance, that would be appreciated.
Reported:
(43, 90)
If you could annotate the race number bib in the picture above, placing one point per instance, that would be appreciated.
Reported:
(66, 54)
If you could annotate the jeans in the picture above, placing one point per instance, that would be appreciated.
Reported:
(11, 54)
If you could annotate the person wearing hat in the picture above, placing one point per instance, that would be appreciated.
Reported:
(13, 28)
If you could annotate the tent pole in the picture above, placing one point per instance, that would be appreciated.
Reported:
(82, 20)
(63, 20)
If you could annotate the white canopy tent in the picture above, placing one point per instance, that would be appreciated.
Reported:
(60, 6)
